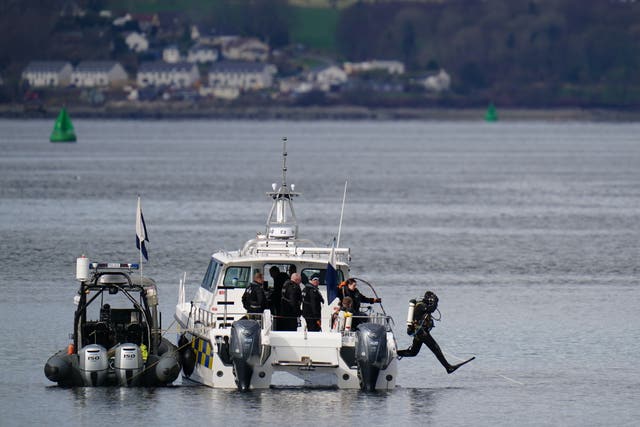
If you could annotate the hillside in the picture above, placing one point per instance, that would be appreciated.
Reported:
(515, 52)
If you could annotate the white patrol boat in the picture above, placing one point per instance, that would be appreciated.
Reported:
(221, 347)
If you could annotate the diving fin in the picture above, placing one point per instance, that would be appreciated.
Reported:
(452, 368)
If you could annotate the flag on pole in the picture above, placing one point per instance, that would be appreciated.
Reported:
(331, 277)
(141, 232)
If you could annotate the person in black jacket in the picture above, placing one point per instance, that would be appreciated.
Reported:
(254, 299)
(291, 299)
(421, 325)
(279, 277)
(312, 302)
(349, 289)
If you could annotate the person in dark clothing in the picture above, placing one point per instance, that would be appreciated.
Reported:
(254, 299)
(291, 300)
(312, 301)
(420, 326)
(350, 290)
(279, 277)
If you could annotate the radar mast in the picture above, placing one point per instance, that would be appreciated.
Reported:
(282, 223)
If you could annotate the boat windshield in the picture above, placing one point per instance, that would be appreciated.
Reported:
(211, 275)
(237, 277)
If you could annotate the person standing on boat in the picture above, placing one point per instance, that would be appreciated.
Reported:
(291, 300)
(351, 290)
(254, 299)
(420, 328)
(279, 277)
(312, 301)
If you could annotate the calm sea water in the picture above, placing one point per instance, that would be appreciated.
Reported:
(528, 232)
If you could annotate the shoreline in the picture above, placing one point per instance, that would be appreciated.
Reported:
(186, 110)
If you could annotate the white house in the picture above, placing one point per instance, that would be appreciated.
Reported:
(245, 49)
(99, 74)
(178, 75)
(136, 42)
(171, 54)
(201, 54)
(243, 75)
(391, 67)
(48, 73)
(327, 76)
(437, 82)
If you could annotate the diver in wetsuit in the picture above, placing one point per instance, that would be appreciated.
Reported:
(420, 326)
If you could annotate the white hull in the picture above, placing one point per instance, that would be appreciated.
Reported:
(303, 359)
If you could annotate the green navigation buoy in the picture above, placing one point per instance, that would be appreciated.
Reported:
(492, 113)
(63, 128)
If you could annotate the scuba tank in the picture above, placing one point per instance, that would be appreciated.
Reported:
(412, 307)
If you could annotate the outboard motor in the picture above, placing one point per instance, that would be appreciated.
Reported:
(371, 353)
(93, 364)
(128, 364)
(245, 345)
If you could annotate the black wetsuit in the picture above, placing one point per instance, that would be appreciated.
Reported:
(291, 299)
(312, 302)
(422, 324)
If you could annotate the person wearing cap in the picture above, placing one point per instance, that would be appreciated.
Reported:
(420, 330)
(312, 301)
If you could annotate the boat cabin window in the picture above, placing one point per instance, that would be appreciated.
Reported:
(237, 277)
(211, 275)
(284, 268)
(308, 273)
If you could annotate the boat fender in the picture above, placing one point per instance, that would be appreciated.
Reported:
(168, 368)
(58, 368)
(71, 349)
(187, 356)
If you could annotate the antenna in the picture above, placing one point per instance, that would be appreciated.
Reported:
(344, 197)
(284, 162)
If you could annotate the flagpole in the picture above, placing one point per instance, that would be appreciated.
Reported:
(344, 197)
(141, 243)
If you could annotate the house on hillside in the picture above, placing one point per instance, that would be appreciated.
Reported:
(48, 73)
(436, 82)
(327, 77)
(178, 75)
(99, 74)
(136, 42)
(391, 67)
(243, 75)
(202, 54)
(246, 49)
(171, 54)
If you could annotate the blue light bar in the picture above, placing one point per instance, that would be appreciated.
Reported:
(130, 266)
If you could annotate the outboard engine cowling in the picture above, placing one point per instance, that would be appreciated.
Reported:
(128, 364)
(371, 353)
(245, 346)
(93, 364)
